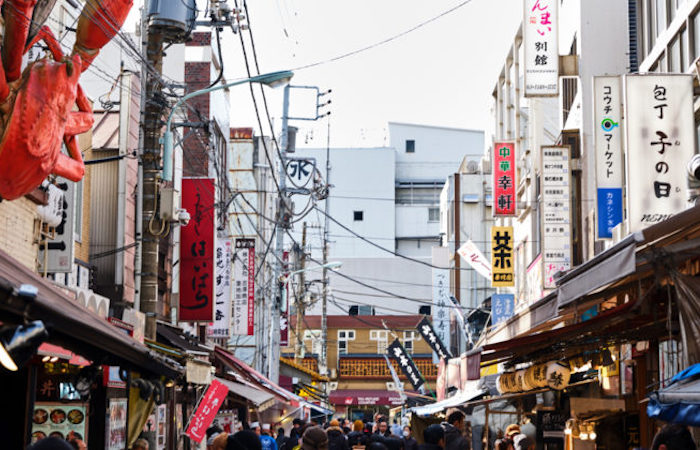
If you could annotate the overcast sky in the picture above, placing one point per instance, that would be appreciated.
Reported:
(441, 74)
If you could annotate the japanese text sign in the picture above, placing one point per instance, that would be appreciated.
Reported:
(222, 302)
(541, 47)
(501, 308)
(441, 296)
(660, 140)
(425, 328)
(556, 212)
(244, 288)
(206, 411)
(472, 255)
(504, 179)
(502, 256)
(197, 251)
(408, 367)
(607, 122)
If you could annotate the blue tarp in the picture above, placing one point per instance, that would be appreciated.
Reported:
(680, 401)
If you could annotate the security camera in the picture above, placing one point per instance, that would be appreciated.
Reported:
(183, 217)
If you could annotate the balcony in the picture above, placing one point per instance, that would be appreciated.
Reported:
(373, 367)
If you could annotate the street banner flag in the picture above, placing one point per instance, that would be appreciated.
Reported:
(396, 351)
(425, 328)
(471, 254)
(206, 411)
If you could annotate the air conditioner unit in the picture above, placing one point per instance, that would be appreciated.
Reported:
(472, 167)
(93, 302)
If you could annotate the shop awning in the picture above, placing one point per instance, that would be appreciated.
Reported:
(472, 392)
(72, 326)
(261, 399)
(680, 401)
(364, 397)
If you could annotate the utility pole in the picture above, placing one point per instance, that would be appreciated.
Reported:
(274, 352)
(299, 339)
(324, 303)
(151, 124)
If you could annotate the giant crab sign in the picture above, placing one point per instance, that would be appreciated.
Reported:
(37, 105)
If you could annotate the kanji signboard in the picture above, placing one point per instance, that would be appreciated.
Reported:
(541, 47)
(222, 301)
(607, 125)
(501, 308)
(502, 257)
(408, 367)
(244, 288)
(504, 179)
(206, 411)
(197, 251)
(660, 140)
(425, 328)
(556, 212)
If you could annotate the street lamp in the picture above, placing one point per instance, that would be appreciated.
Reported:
(272, 79)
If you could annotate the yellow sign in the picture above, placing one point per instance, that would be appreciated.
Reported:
(502, 257)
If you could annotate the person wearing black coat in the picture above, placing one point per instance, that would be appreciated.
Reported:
(336, 437)
(409, 443)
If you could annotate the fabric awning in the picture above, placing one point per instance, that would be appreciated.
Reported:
(364, 397)
(680, 401)
(261, 399)
(473, 391)
(72, 326)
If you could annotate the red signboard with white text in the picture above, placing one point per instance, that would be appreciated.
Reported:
(504, 179)
(197, 249)
(206, 411)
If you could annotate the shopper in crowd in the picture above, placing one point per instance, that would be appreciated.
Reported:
(50, 444)
(409, 443)
(314, 438)
(396, 428)
(523, 442)
(255, 428)
(295, 432)
(267, 442)
(673, 437)
(393, 442)
(244, 440)
(282, 440)
(434, 437)
(336, 437)
(377, 446)
(512, 430)
(357, 436)
(454, 432)
(383, 427)
(503, 444)
(140, 444)
(219, 442)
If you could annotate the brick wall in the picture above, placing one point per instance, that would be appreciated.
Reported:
(199, 39)
(17, 239)
(197, 76)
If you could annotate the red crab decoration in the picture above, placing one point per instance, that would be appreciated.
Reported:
(37, 105)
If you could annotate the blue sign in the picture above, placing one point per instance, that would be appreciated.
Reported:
(501, 308)
(609, 211)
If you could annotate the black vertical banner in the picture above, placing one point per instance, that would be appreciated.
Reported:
(425, 328)
(396, 351)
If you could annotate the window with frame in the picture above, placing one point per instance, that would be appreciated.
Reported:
(315, 337)
(408, 338)
(410, 146)
(358, 216)
(382, 338)
(344, 337)
(434, 214)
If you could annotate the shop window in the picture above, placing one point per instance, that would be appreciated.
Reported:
(408, 338)
(344, 336)
(382, 338)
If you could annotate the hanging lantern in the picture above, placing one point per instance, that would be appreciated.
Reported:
(558, 375)
(501, 384)
(520, 380)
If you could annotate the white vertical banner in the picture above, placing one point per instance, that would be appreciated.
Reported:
(472, 255)
(221, 326)
(244, 288)
(660, 140)
(61, 249)
(556, 212)
(607, 126)
(541, 44)
(441, 296)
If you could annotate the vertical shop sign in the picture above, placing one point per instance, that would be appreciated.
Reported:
(206, 410)
(408, 367)
(504, 179)
(441, 304)
(244, 288)
(660, 133)
(284, 314)
(61, 248)
(556, 212)
(222, 302)
(541, 43)
(425, 328)
(607, 123)
(115, 435)
(197, 251)
(501, 308)
(502, 256)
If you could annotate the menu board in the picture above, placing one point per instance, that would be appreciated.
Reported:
(116, 424)
(58, 419)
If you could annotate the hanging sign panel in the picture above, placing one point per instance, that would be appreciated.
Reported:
(556, 212)
(502, 307)
(607, 123)
(197, 249)
(244, 288)
(502, 256)
(472, 255)
(541, 48)
(660, 140)
(408, 367)
(222, 302)
(504, 179)
(425, 328)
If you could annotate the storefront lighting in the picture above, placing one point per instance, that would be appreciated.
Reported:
(584, 435)
(169, 384)
(45, 359)
(18, 344)
(591, 432)
(54, 359)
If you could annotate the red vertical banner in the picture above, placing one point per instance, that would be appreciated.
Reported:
(504, 179)
(197, 247)
(251, 290)
(206, 411)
